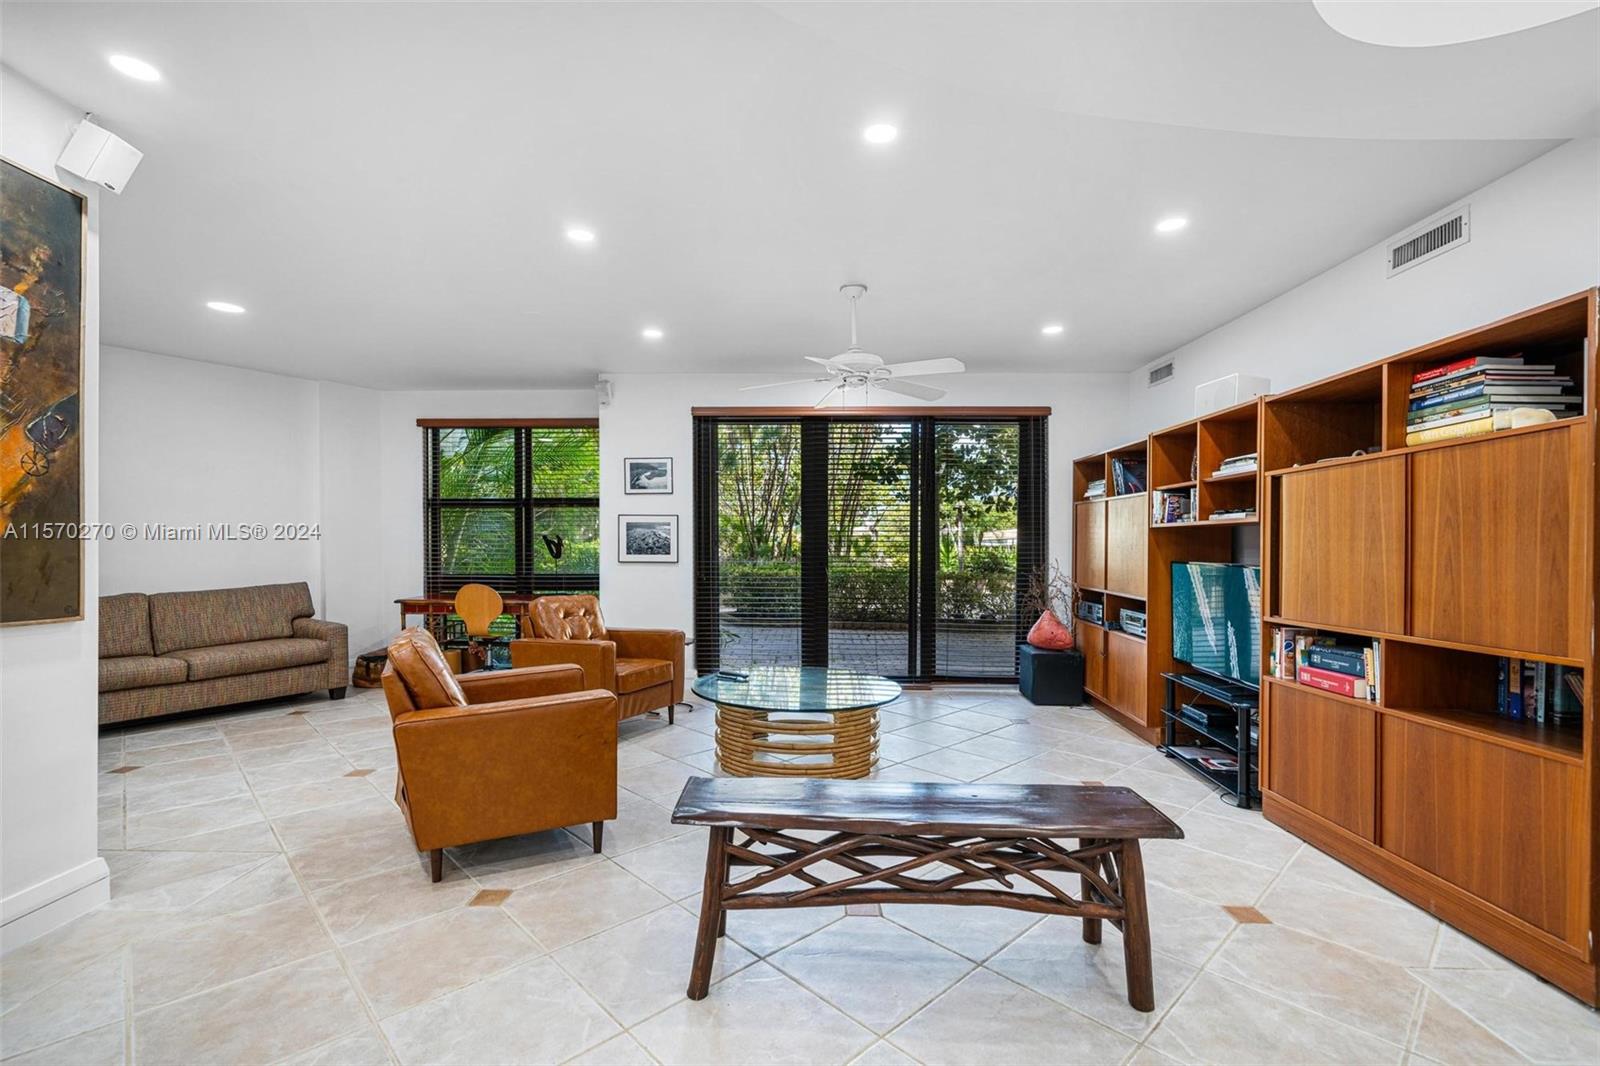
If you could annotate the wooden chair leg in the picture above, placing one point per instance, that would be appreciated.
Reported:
(705, 944)
(1091, 926)
(598, 831)
(1136, 930)
(436, 864)
(672, 714)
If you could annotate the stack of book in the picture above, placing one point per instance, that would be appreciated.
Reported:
(1546, 693)
(1178, 506)
(1233, 512)
(1333, 664)
(1127, 476)
(1479, 395)
(1238, 464)
(1096, 489)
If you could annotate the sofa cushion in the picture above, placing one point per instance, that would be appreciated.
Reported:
(251, 657)
(636, 674)
(210, 617)
(567, 618)
(419, 664)
(140, 671)
(125, 625)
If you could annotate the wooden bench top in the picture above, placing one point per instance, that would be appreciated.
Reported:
(1105, 812)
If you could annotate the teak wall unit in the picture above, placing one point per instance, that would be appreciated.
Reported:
(1110, 567)
(1450, 555)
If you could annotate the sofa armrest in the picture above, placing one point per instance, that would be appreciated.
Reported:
(495, 686)
(338, 638)
(596, 658)
(653, 644)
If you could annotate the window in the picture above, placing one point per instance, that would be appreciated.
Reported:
(892, 544)
(512, 505)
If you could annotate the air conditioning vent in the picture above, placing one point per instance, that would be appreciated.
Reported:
(1159, 374)
(1433, 238)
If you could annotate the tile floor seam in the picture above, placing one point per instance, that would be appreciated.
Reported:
(306, 895)
(1305, 1009)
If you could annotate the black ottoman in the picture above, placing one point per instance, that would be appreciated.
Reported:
(1051, 678)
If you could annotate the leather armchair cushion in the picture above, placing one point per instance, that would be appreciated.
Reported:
(140, 671)
(250, 657)
(567, 618)
(636, 674)
(421, 668)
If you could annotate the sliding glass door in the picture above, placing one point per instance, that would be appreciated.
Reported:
(890, 545)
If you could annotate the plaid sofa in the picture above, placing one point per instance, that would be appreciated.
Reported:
(183, 651)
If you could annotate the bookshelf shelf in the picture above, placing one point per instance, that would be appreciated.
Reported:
(1284, 682)
(1193, 522)
(1547, 742)
(1411, 638)
(1176, 485)
(1240, 476)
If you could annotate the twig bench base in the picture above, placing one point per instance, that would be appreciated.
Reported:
(963, 845)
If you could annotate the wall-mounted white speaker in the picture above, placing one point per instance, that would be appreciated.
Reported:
(1225, 392)
(100, 156)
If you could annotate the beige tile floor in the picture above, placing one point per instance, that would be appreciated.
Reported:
(267, 907)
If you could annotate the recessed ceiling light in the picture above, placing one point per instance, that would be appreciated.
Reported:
(651, 333)
(1171, 224)
(225, 307)
(137, 69)
(1052, 329)
(881, 133)
(580, 235)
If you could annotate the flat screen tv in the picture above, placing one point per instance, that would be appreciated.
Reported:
(1216, 619)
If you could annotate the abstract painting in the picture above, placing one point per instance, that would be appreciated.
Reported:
(41, 373)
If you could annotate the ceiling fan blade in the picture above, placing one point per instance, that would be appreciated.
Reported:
(818, 360)
(779, 384)
(825, 396)
(908, 388)
(926, 366)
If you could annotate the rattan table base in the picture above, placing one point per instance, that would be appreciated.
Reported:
(743, 736)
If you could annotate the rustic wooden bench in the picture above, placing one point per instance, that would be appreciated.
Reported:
(889, 842)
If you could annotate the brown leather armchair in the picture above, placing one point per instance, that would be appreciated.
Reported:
(644, 667)
(499, 753)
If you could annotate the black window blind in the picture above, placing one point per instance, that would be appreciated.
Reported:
(514, 507)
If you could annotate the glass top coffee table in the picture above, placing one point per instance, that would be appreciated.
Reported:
(828, 716)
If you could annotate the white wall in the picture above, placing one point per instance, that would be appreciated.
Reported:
(188, 443)
(1535, 238)
(650, 416)
(50, 869)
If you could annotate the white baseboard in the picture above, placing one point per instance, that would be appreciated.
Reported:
(28, 915)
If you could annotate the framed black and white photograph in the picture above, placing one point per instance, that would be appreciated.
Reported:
(647, 477)
(647, 538)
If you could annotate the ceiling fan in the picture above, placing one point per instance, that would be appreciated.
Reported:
(857, 368)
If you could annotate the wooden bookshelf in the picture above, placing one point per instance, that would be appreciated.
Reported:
(1110, 567)
(1451, 555)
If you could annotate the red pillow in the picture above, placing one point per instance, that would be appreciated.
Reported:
(1050, 633)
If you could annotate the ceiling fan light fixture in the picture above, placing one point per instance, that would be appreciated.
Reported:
(880, 133)
(1053, 329)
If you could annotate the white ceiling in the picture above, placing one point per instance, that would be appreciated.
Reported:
(385, 187)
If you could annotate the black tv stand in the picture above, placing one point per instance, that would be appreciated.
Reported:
(1241, 785)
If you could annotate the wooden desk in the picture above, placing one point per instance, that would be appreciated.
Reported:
(1006, 837)
(516, 604)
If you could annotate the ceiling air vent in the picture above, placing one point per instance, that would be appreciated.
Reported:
(1158, 374)
(1434, 237)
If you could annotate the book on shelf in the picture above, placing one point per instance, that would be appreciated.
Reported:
(1332, 681)
(1341, 659)
(1540, 377)
(1546, 694)
(1228, 514)
(1095, 490)
(1464, 366)
(1127, 476)
(1236, 464)
(1551, 394)
(1179, 505)
(1515, 418)
(1417, 420)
